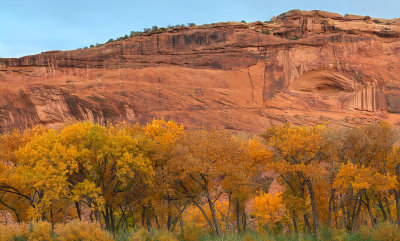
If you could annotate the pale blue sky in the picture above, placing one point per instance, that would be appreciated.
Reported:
(33, 26)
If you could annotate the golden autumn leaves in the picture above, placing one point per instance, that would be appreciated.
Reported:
(114, 172)
(157, 174)
(339, 176)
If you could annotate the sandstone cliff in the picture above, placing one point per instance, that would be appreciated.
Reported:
(302, 67)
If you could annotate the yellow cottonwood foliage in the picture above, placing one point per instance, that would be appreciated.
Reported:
(352, 176)
(299, 151)
(84, 162)
(268, 208)
(79, 230)
(163, 196)
(161, 176)
(259, 155)
(44, 164)
(194, 217)
(297, 144)
(10, 143)
(164, 132)
(111, 164)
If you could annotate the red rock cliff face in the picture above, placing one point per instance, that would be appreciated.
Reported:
(301, 67)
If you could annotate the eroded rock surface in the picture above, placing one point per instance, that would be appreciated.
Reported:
(302, 67)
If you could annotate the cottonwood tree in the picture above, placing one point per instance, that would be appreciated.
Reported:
(109, 162)
(165, 196)
(208, 160)
(365, 176)
(298, 154)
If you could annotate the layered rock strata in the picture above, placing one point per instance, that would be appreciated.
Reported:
(302, 67)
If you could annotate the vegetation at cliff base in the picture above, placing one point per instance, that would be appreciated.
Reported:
(154, 29)
(160, 181)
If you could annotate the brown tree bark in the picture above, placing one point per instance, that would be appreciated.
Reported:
(397, 198)
(238, 216)
(294, 222)
(313, 206)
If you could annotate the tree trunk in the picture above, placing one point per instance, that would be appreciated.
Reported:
(294, 222)
(143, 215)
(389, 213)
(345, 215)
(244, 219)
(313, 206)
(356, 216)
(169, 219)
(397, 197)
(238, 216)
(122, 220)
(334, 213)
(78, 210)
(158, 224)
(112, 220)
(133, 220)
(382, 208)
(199, 207)
(174, 223)
(181, 223)
(367, 204)
(213, 214)
(106, 219)
(205, 216)
(148, 222)
(354, 211)
(307, 227)
(229, 211)
(330, 206)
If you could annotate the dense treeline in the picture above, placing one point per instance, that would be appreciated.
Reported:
(162, 177)
(154, 29)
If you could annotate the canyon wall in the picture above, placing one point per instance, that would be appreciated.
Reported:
(302, 67)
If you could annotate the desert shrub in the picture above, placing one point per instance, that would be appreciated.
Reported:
(364, 232)
(339, 234)
(331, 234)
(266, 31)
(297, 237)
(40, 231)
(141, 234)
(163, 235)
(192, 233)
(123, 235)
(356, 237)
(13, 232)
(145, 235)
(78, 230)
(252, 236)
(386, 232)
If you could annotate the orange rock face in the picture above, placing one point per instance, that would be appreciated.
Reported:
(301, 67)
